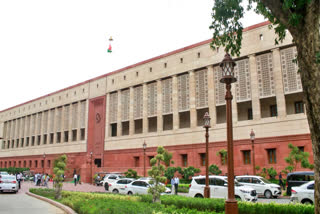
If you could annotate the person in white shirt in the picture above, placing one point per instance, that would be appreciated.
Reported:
(176, 184)
(75, 177)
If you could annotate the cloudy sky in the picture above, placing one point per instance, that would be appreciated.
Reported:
(49, 45)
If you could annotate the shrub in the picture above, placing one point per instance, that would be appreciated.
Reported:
(214, 169)
(184, 188)
(272, 173)
(131, 173)
(188, 172)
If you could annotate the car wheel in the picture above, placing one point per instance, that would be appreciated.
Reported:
(268, 194)
(115, 191)
(129, 193)
(106, 186)
(198, 196)
(238, 198)
(307, 202)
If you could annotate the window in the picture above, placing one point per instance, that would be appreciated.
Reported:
(246, 157)
(58, 137)
(137, 73)
(181, 60)
(298, 107)
(199, 55)
(74, 135)
(82, 134)
(30, 163)
(272, 158)
(136, 161)
(250, 116)
(66, 136)
(202, 159)
(301, 148)
(32, 140)
(273, 111)
(49, 163)
(51, 138)
(150, 69)
(45, 139)
(124, 77)
(184, 158)
(261, 37)
(42, 163)
(113, 130)
(36, 164)
(165, 65)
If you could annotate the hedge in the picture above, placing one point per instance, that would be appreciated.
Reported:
(184, 188)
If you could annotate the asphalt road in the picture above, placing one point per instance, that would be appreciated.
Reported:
(21, 203)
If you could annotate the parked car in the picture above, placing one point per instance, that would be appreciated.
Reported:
(298, 178)
(120, 186)
(110, 178)
(141, 187)
(218, 188)
(261, 185)
(8, 183)
(4, 173)
(303, 194)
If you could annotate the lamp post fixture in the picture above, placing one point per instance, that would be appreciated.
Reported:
(206, 120)
(227, 66)
(252, 136)
(144, 145)
(44, 161)
(91, 167)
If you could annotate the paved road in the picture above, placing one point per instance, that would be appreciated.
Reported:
(22, 203)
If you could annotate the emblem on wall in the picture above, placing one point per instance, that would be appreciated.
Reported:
(98, 118)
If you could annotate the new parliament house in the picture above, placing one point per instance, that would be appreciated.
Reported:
(101, 124)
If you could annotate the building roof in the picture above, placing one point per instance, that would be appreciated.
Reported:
(135, 65)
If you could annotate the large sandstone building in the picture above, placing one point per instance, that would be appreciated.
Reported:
(101, 124)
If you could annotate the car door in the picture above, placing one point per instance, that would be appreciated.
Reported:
(258, 185)
(310, 191)
(219, 188)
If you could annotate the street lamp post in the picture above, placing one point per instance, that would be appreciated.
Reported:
(227, 66)
(44, 161)
(91, 167)
(144, 145)
(252, 136)
(206, 120)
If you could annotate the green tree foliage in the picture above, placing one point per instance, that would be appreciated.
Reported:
(301, 18)
(156, 173)
(223, 154)
(297, 156)
(188, 172)
(214, 170)
(59, 167)
(131, 173)
(170, 171)
(272, 173)
(167, 158)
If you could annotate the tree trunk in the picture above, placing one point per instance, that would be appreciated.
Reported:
(308, 44)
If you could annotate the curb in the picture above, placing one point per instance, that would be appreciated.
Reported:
(66, 209)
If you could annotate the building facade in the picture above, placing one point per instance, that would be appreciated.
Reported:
(101, 124)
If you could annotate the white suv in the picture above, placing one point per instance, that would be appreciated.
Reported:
(219, 188)
(303, 194)
(261, 185)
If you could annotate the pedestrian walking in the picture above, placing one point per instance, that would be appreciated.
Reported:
(172, 186)
(46, 180)
(78, 179)
(19, 176)
(176, 184)
(281, 181)
(75, 177)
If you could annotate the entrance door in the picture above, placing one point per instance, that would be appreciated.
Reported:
(96, 129)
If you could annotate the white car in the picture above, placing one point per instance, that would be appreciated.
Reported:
(303, 194)
(8, 183)
(120, 186)
(3, 173)
(261, 185)
(141, 187)
(110, 178)
(219, 188)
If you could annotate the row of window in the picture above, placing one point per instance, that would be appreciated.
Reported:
(26, 164)
(47, 139)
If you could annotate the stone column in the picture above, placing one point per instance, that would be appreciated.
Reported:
(255, 98)
(36, 129)
(63, 123)
(281, 101)
(175, 102)
(79, 122)
(119, 125)
(48, 127)
(145, 109)
(234, 104)
(42, 129)
(131, 112)
(55, 125)
(159, 106)
(192, 96)
(211, 96)
(107, 116)
(70, 123)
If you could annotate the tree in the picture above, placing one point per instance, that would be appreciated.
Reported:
(272, 173)
(301, 18)
(156, 173)
(223, 154)
(170, 171)
(59, 167)
(297, 156)
(214, 169)
(188, 172)
(131, 173)
(167, 158)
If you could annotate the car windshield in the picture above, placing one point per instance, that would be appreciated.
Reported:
(265, 181)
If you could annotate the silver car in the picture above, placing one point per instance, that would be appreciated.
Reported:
(8, 183)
